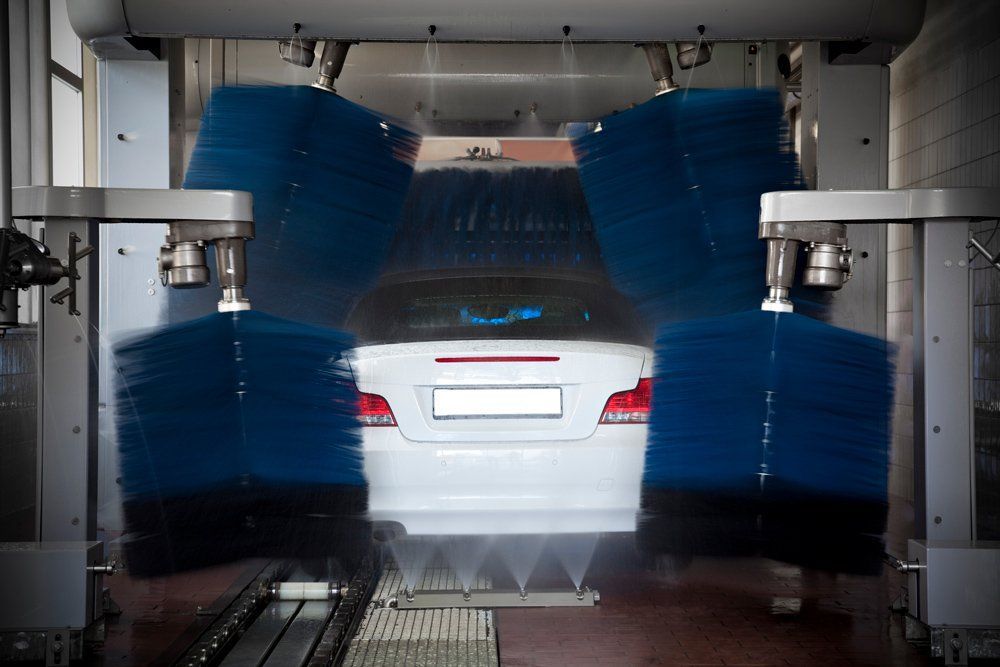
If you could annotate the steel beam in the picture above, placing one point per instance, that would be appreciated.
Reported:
(5, 164)
(40, 92)
(68, 440)
(942, 382)
(490, 599)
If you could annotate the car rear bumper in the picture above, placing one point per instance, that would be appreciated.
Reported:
(572, 486)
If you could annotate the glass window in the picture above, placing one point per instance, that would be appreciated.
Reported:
(65, 45)
(461, 306)
(67, 134)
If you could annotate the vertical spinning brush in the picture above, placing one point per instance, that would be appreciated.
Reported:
(238, 433)
(673, 187)
(238, 437)
(328, 178)
(769, 432)
(499, 214)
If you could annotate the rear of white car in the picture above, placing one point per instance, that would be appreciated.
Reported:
(499, 404)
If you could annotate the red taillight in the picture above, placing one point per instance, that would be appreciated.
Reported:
(630, 407)
(480, 360)
(374, 410)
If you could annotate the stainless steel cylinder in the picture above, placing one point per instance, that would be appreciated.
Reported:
(306, 590)
(660, 67)
(780, 274)
(781, 262)
(36, 270)
(331, 64)
(184, 265)
(231, 261)
(826, 266)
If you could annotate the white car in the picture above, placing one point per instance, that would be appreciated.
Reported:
(501, 402)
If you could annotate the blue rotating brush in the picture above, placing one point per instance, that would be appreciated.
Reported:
(238, 437)
(495, 214)
(769, 435)
(238, 433)
(673, 187)
(328, 178)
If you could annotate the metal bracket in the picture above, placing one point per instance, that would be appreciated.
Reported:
(956, 646)
(55, 648)
(973, 244)
(72, 274)
(491, 599)
(108, 605)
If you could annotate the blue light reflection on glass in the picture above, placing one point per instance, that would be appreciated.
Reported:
(515, 314)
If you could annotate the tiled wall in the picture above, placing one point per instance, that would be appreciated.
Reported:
(944, 130)
(18, 398)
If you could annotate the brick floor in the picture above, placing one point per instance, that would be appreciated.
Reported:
(158, 614)
(714, 612)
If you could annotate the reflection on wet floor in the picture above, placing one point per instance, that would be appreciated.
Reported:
(708, 611)
(715, 611)
(162, 615)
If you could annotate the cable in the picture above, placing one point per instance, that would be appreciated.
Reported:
(197, 77)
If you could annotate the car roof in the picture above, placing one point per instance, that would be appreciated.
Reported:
(405, 277)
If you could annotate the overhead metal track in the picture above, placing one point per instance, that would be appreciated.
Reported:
(894, 22)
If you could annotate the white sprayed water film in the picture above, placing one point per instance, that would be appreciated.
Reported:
(575, 553)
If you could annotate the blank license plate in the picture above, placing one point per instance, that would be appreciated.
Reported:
(534, 402)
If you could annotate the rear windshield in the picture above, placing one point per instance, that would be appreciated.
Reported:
(533, 308)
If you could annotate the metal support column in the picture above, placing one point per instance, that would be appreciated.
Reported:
(40, 85)
(5, 164)
(70, 346)
(942, 384)
(40, 133)
(20, 106)
(845, 146)
(136, 100)
(70, 338)
(176, 69)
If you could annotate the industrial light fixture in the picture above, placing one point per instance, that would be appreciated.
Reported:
(693, 54)
(300, 52)
(297, 51)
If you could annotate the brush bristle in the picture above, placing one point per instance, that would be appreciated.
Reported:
(460, 215)
(238, 436)
(673, 187)
(328, 178)
(776, 427)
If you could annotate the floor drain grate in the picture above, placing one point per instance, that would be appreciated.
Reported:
(424, 637)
